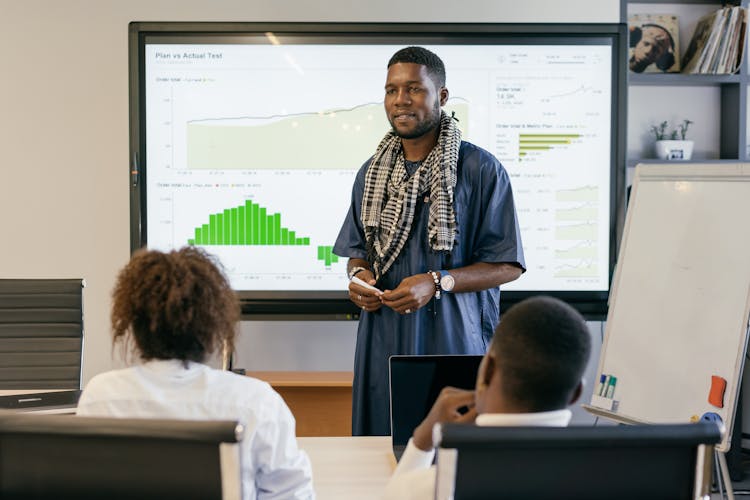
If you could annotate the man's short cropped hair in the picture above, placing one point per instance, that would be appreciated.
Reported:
(174, 305)
(542, 346)
(420, 55)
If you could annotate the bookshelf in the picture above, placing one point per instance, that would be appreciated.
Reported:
(718, 104)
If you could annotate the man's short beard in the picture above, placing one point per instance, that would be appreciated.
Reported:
(430, 123)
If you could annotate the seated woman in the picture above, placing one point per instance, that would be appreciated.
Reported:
(173, 311)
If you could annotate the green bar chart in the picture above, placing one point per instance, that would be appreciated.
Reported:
(534, 143)
(247, 224)
(326, 255)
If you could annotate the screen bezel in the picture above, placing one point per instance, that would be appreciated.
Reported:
(274, 304)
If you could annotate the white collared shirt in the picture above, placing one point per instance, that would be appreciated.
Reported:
(272, 465)
(414, 477)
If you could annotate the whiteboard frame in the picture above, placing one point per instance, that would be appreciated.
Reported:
(708, 172)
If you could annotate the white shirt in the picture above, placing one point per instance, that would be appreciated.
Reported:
(414, 477)
(272, 465)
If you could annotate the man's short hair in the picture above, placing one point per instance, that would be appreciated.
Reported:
(420, 55)
(542, 346)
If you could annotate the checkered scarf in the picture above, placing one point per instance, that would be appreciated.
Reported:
(390, 196)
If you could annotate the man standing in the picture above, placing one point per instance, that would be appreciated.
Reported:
(433, 225)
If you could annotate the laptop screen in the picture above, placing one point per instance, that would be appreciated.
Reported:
(416, 381)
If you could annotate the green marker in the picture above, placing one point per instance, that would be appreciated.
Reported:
(611, 387)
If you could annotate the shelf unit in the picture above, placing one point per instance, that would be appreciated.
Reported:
(731, 113)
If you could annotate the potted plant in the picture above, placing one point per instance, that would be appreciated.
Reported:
(668, 145)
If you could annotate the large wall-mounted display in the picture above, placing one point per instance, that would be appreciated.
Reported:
(246, 139)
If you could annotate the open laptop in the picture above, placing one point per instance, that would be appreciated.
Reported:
(416, 382)
(64, 401)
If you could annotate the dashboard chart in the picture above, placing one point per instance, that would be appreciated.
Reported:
(252, 151)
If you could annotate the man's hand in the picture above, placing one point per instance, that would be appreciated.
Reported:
(445, 410)
(364, 298)
(411, 294)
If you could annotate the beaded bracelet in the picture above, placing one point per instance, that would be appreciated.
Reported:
(436, 279)
(355, 270)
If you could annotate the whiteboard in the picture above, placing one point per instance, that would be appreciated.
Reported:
(680, 300)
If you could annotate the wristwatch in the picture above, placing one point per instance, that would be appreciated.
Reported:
(447, 282)
(353, 271)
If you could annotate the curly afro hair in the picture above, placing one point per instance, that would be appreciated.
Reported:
(175, 305)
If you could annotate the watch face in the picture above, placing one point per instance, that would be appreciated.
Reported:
(447, 282)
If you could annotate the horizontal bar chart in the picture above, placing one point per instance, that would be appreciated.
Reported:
(532, 143)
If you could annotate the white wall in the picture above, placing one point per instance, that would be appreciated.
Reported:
(64, 142)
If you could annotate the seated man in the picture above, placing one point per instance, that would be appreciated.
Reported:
(174, 310)
(532, 371)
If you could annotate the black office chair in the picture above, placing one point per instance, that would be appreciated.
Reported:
(44, 457)
(614, 462)
(41, 333)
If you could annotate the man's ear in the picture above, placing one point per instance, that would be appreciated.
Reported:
(486, 371)
(576, 393)
(443, 96)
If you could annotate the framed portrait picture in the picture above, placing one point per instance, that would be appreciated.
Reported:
(654, 44)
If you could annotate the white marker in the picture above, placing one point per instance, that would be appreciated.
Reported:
(365, 284)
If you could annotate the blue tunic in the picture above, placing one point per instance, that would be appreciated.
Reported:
(458, 323)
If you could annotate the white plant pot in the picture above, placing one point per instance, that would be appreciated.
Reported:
(674, 150)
